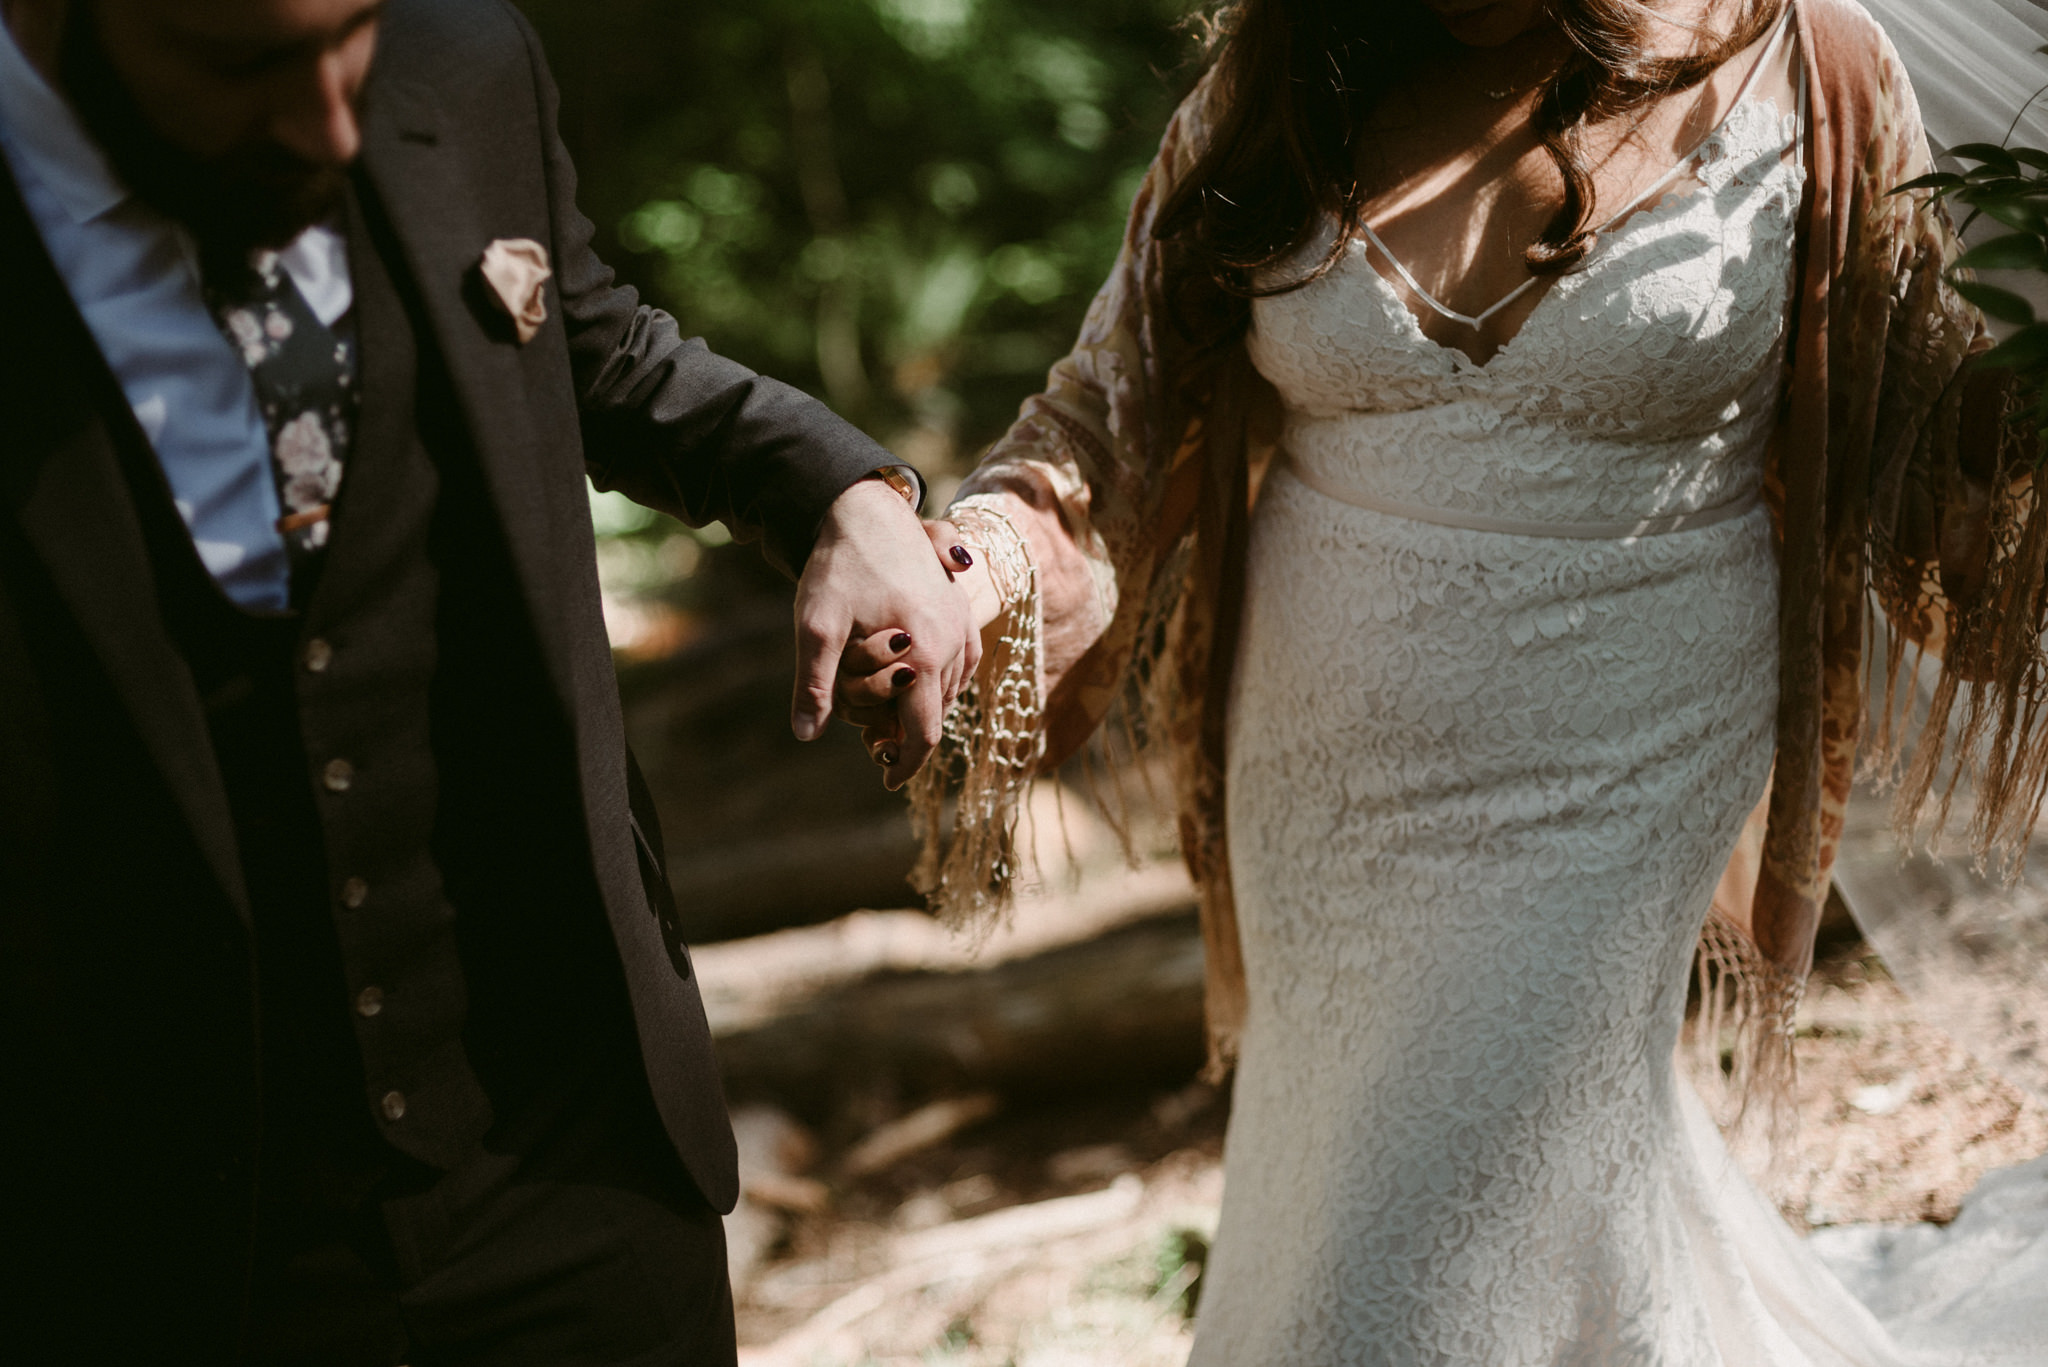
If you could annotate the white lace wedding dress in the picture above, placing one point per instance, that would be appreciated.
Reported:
(1504, 696)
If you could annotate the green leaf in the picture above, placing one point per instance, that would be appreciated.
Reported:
(2025, 350)
(1933, 180)
(2003, 305)
(2008, 188)
(2014, 252)
(2031, 156)
(2015, 213)
(1989, 153)
(1992, 185)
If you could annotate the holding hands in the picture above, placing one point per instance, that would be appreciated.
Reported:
(888, 618)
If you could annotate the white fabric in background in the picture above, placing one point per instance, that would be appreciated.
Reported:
(1981, 1281)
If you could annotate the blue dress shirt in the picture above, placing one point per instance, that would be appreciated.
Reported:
(134, 275)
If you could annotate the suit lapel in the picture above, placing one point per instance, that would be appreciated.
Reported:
(61, 479)
(433, 213)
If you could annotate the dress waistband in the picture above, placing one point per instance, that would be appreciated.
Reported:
(1508, 526)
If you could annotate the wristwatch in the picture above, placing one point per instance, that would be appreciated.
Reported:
(905, 480)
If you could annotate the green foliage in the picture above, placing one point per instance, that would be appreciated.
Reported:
(2009, 186)
(1179, 1264)
(902, 205)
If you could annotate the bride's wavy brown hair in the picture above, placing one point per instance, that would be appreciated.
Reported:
(1296, 80)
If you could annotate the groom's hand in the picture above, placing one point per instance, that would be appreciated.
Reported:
(872, 568)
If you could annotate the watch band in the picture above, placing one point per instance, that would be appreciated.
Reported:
(905, 480)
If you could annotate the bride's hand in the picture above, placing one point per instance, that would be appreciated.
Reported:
(872, 675)
(872, 678)
(966, 570)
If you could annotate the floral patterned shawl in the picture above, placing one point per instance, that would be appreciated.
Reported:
(1115, 511)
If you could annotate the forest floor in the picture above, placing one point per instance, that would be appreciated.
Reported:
(1072, 1232)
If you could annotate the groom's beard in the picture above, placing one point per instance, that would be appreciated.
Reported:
(258, 195)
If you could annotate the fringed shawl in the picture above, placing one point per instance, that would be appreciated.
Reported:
(1116, 511)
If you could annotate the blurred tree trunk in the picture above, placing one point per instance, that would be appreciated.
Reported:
(824, 196)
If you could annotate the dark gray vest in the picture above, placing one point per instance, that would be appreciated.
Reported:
(432, 954)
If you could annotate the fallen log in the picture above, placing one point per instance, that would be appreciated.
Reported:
(1121, 1009)
(747, 887)
(763, 832)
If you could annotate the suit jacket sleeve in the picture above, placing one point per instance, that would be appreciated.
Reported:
(670, 423)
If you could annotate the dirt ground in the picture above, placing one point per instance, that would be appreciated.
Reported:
(1896, 1120)
(1073, 1234)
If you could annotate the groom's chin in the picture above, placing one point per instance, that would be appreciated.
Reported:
(231, 215)
(256, 198)
(251, 198)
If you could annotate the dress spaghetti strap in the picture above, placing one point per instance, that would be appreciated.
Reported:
(1692, 154)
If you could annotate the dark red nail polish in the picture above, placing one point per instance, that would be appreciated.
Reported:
(900, 642)
(961, 557)
(905, 677)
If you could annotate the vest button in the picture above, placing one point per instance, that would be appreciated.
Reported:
(338, 775)
(319, 655)
(354, 892)
(369, 1001)
(393, 1105)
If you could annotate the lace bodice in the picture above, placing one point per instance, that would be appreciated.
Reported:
(1641, 385)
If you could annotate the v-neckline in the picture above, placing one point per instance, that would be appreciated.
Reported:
(1639, 207)
(1460, 358)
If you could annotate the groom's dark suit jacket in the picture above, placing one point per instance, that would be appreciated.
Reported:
(216, 832)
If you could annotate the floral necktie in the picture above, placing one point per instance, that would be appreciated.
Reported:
(305, 374)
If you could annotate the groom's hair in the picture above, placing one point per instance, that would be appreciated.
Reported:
(187, 128)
